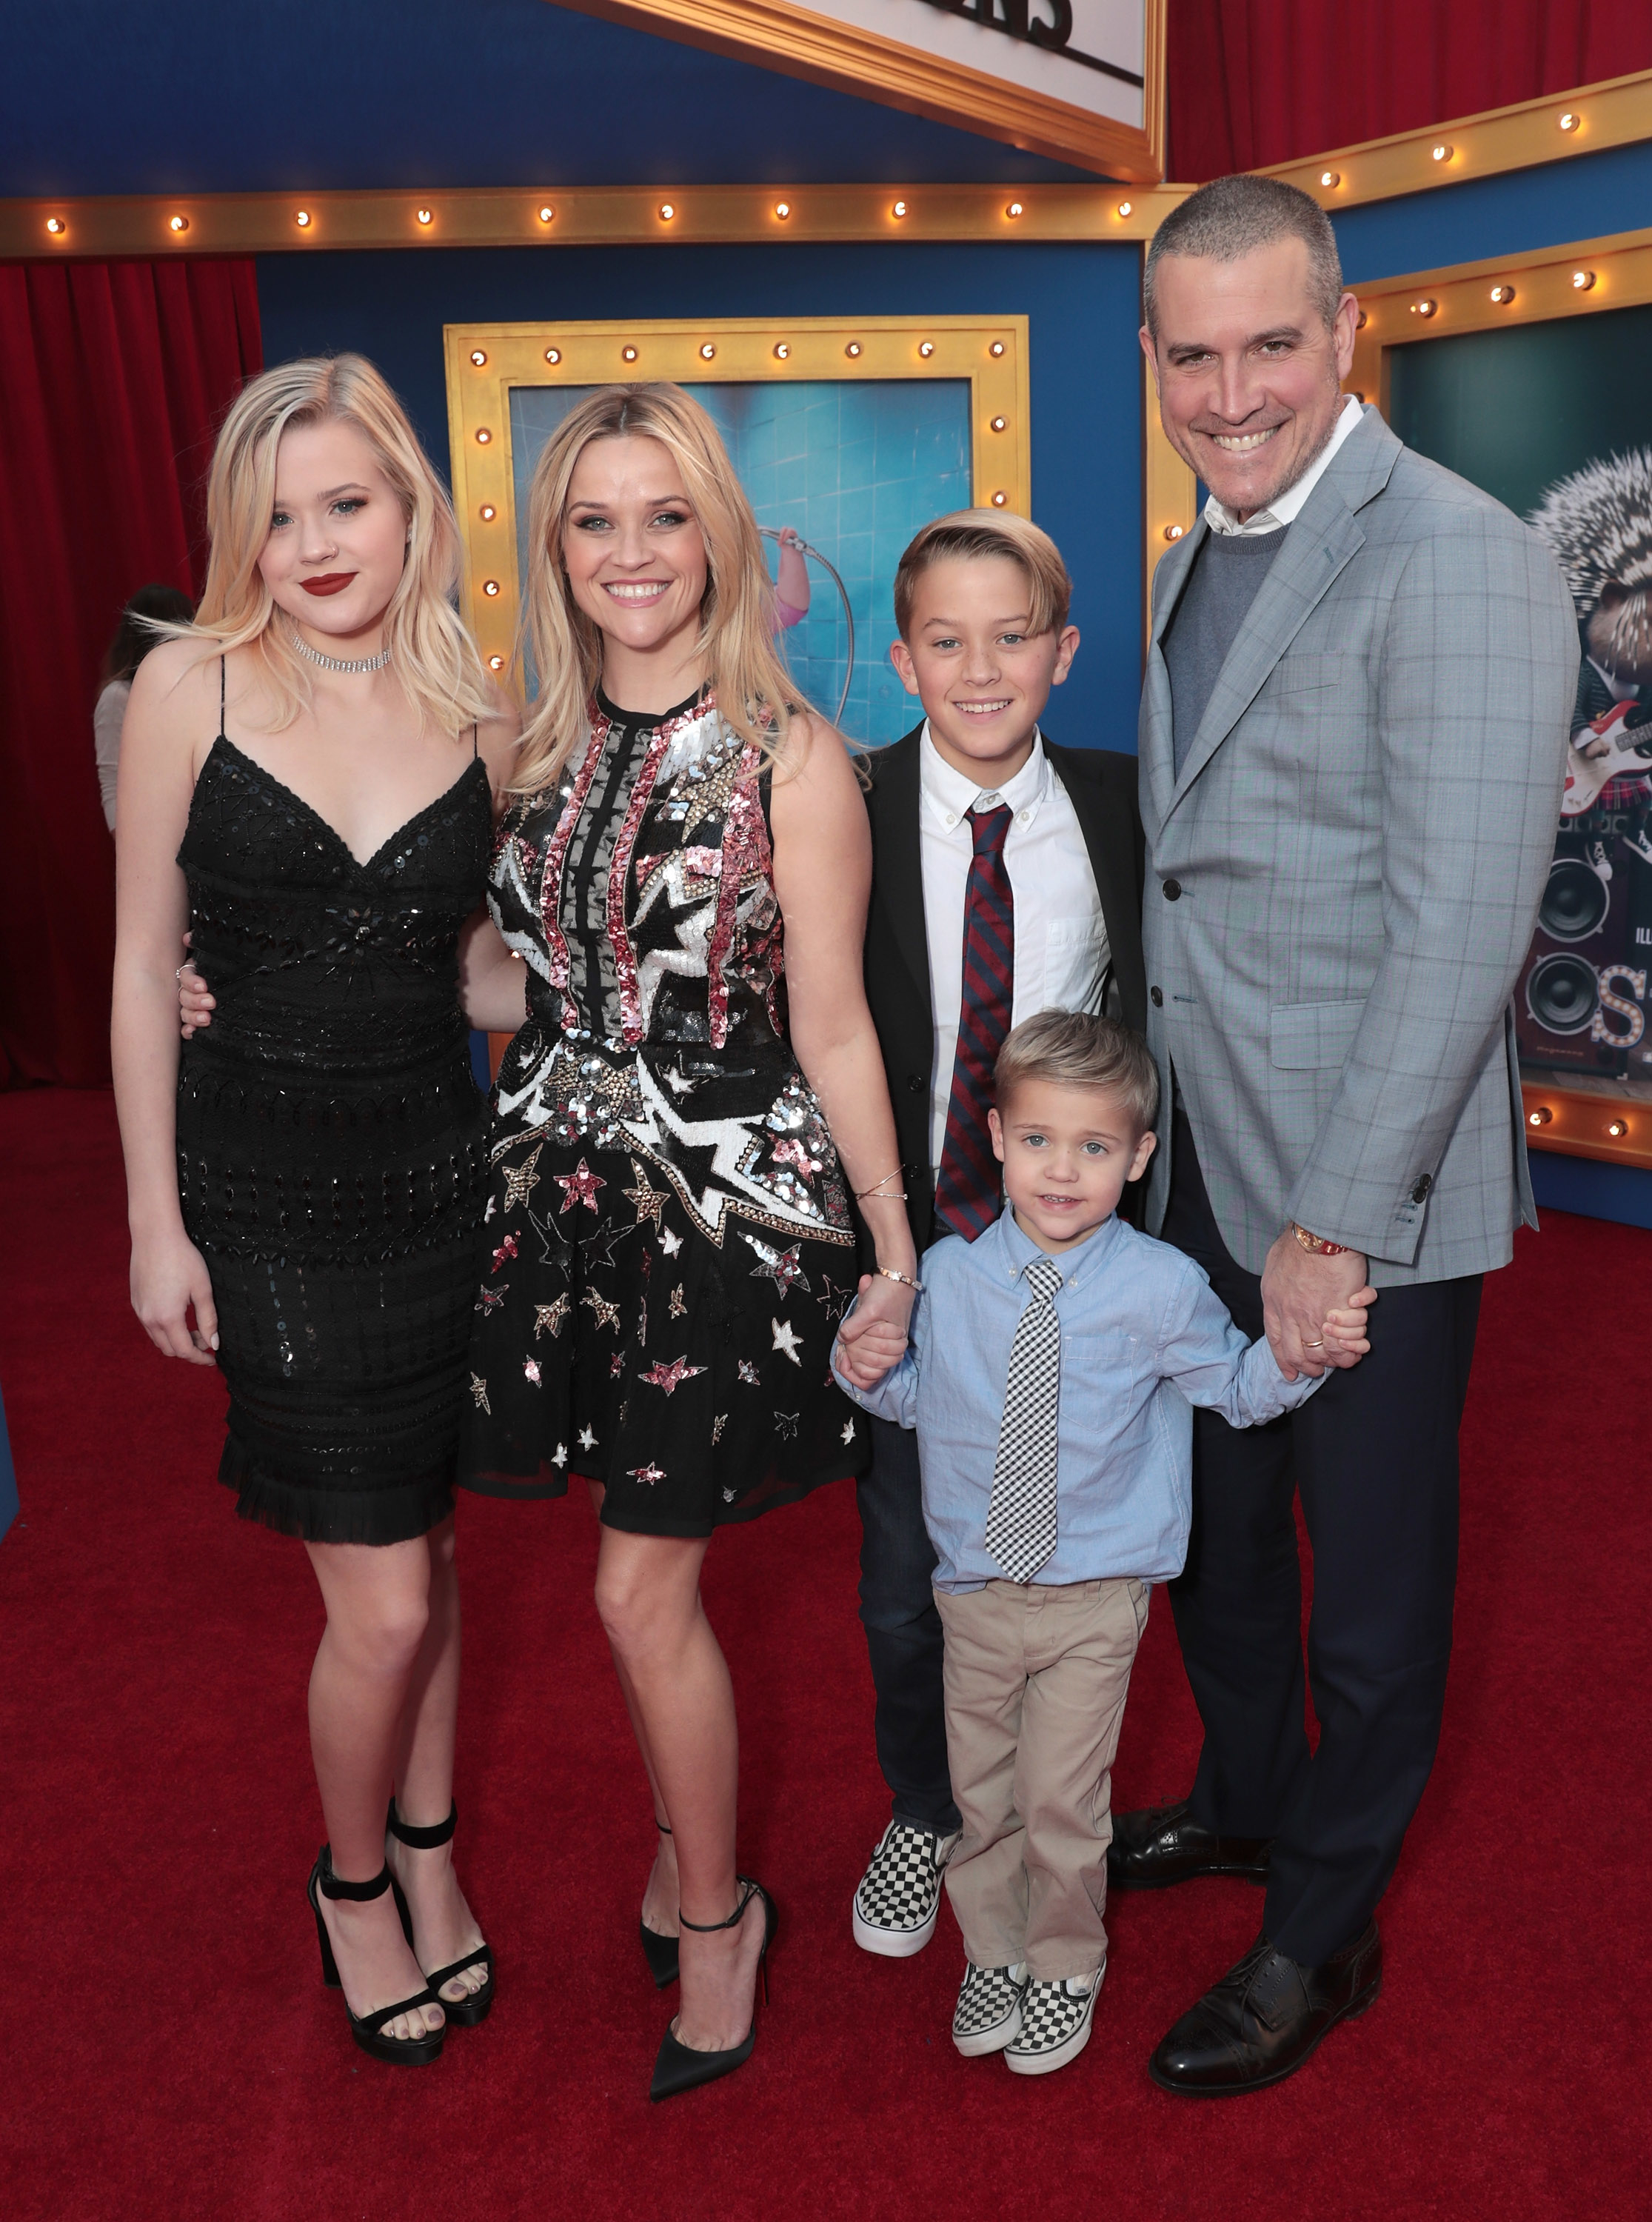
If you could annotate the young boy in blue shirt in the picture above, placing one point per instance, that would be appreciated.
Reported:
(1049, 1376)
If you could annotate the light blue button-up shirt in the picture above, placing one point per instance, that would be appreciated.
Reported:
(1143, 1335)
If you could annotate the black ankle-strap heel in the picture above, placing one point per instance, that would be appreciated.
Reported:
(659, 1952)
(467, 2013)
(368, 2031)
(679, 2067)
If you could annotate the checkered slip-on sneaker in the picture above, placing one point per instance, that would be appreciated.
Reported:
(899, 1895)
(987, 2016)
(1055, 2019)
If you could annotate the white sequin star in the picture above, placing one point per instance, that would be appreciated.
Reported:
(848, 1431)
(586, 1438)
(787, 1340)
(560, 1455)
(478, 1390)
(670, 1243)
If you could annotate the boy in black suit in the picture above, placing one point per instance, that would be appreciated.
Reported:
(1006, 879)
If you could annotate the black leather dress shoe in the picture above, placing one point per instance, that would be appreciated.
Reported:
(1153, 1849)
(1264, 2018)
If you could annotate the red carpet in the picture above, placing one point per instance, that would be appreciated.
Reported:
(169, 2051)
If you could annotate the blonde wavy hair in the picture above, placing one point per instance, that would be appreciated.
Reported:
(754, 691)
(431, 653)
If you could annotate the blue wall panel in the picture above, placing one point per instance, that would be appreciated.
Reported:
(100, 96)
(1586, 198)
(1080, 301)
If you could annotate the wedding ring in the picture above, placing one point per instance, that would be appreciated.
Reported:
(1306, 1345)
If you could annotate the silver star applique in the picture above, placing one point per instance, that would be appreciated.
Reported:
(786, 1340)
(848, 1431)
(586, 1437)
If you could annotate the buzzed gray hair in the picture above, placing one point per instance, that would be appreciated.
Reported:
(1232, 217)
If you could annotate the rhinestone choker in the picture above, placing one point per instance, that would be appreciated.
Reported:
(338, 663)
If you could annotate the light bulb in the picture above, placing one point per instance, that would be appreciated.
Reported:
(425, 215)
(479, 356)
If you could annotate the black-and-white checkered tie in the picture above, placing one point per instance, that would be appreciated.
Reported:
(1021, 1517)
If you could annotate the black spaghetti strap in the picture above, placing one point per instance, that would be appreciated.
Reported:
(223, 736)
(475, 748)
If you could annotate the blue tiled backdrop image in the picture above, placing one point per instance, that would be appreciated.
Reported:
(854, 468)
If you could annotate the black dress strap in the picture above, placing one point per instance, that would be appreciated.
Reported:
(475, 750)
(223, 736)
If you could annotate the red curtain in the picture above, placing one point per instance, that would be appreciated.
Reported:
(113, 377)
(1256, 81)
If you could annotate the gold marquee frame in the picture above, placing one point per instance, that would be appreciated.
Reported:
(798, 42)
(485, 362)
(1579, 1117)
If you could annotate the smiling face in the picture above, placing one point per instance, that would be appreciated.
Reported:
(1248, 375)
(982, 676)
(1066, 1154)
(632, 548)
(338, 534)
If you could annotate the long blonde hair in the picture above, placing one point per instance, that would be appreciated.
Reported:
(754, 691)
(431, 653)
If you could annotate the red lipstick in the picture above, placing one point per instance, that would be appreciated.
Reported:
(330, 582)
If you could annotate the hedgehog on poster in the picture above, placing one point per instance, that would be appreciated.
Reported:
(1582, 1002)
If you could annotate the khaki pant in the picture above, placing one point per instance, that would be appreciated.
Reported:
(1036, 1682)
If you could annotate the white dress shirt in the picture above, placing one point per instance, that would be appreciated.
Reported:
(1060, 955)
(1284, 506)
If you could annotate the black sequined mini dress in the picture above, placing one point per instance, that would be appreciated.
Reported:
(668, 1246)
(331, 1148)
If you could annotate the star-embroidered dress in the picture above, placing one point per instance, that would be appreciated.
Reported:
(669, 1246)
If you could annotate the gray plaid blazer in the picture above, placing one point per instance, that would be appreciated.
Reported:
(1342, 883)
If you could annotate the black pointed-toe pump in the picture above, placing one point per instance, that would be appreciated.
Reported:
(679, 2067)
(659, 1952)
(464, 2012)
(369, 2031)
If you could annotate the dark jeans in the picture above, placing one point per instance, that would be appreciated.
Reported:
(904, 1639)
(1373, 1456)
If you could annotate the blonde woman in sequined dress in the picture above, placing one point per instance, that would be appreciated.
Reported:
(693, 1097)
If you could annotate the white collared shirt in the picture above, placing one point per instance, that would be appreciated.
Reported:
(1287, 505)
(1060, 952)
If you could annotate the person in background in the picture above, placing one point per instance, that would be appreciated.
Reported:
(132, 641)
(791, 586)
(1353, 736)
(1006, 879)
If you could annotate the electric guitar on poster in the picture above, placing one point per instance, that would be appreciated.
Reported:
(1627, 730)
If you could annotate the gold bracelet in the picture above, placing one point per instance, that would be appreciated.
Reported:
(899, 1197)
(906, 1281)
(1318, 1244)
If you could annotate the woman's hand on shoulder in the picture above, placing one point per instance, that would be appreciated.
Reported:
(169, 1278)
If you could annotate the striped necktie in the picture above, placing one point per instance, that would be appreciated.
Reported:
(1021, 1515)
(970, 1186)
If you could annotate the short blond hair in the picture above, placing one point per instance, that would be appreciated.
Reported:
(431, 653)
(975, 535)
(1076, 1049)
(743, 668)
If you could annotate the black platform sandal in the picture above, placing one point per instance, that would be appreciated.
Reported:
(679, 2067)
(659, 1952)
(368, 2032)
(465, 2012)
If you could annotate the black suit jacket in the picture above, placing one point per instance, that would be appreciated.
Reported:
(1101, 785)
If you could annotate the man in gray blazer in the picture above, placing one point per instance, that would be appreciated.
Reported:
(1352, 744)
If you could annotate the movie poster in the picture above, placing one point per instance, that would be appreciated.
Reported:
(1556, 419)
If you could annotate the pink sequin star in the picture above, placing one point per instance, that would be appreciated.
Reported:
(579, 1187)
(506, 1249)
(649, 1473)
(668, 1378)
(793, 1152)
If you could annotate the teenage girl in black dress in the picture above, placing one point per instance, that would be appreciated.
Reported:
(305, 786)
